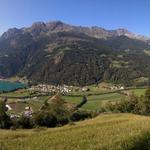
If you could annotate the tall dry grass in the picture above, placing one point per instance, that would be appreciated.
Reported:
(105, 132)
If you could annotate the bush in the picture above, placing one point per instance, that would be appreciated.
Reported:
(133, 104)
(80, 115)
(45, 118)
(25, 122)
(5, 121)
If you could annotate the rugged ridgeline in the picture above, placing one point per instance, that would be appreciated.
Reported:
(58, 53)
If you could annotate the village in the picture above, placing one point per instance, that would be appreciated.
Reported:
(65, 89)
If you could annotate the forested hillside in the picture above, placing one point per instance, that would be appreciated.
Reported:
(58, 53)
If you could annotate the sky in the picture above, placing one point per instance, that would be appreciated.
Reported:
(133, 15)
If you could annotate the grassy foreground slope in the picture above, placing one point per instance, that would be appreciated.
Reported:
(105, 132)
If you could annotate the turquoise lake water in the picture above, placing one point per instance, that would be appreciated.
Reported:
(9, 86)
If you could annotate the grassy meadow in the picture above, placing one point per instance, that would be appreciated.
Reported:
(105, 132)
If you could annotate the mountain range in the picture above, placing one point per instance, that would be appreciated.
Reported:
(58, 53)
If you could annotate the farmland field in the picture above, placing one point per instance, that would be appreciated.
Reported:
(138, 92)
(96, 99)
(106, 132)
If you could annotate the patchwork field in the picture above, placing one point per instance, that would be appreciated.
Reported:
(96, 99)
(105, 132)
(137, 92)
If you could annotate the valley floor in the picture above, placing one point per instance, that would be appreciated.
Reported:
(20, 99)
(105, 132)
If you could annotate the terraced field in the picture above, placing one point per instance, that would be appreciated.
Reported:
(105, 132)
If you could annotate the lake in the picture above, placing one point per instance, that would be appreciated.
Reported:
(10, 86)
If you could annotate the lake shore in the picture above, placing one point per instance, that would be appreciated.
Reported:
(6, 86)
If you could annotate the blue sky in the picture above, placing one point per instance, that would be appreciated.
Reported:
(133, 15)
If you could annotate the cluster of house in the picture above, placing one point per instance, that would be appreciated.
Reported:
(64, 89)
(82, 89)
(117, 87)
(27, 111)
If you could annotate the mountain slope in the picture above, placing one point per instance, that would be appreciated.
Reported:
(109, 132)
(58, 53)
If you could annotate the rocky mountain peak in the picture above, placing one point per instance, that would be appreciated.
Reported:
(38, 25)
(10, 33)
(39, 28)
